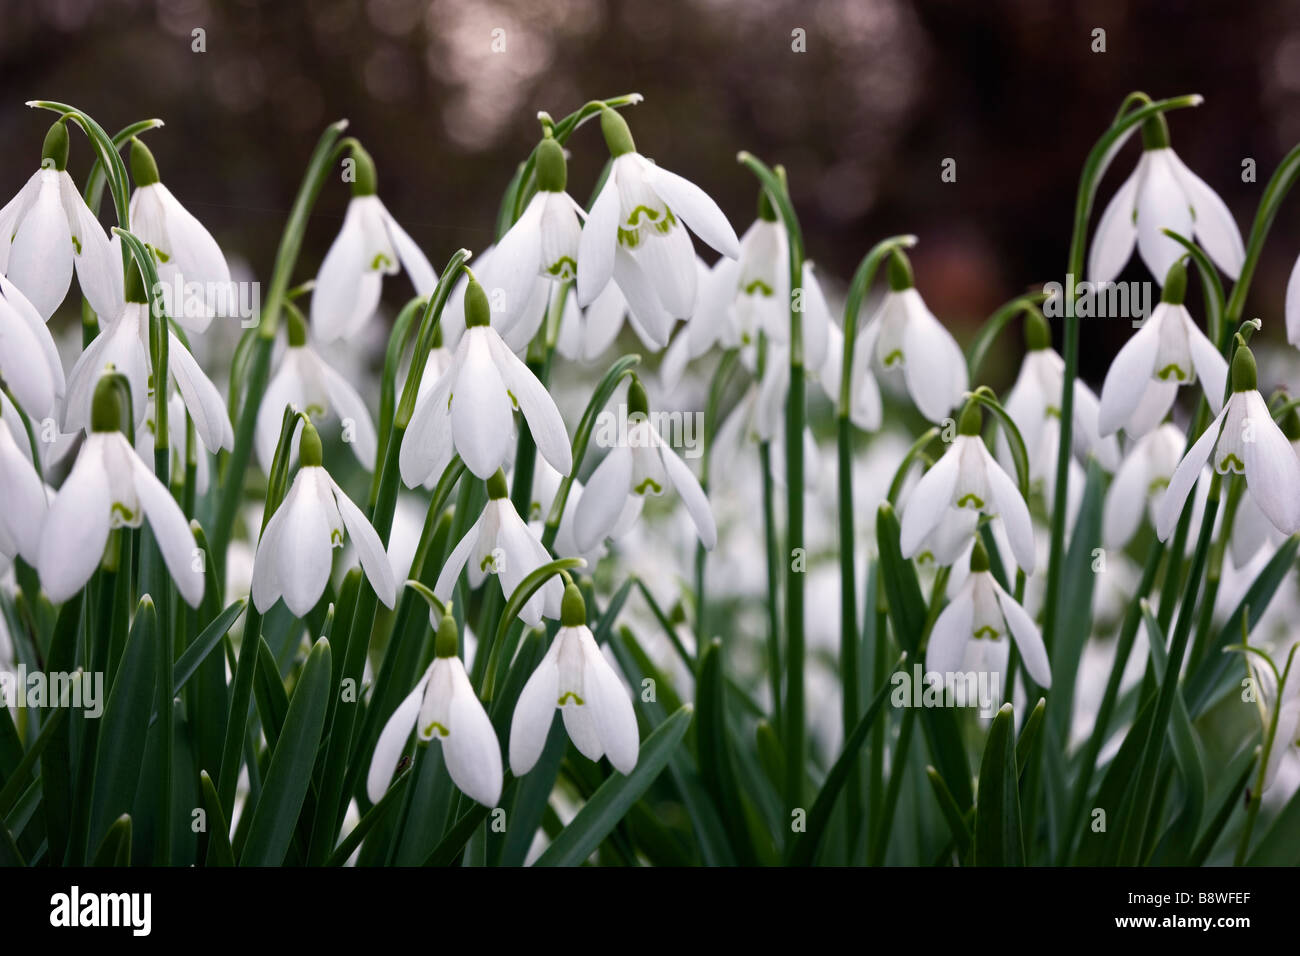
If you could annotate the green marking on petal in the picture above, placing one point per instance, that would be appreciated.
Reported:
(925, 557)
(629, 239)
(650, 483)
(576, 699)
(380, 261)
(970, 500)
(121, 513)
(513, 401)
(434, 725)
(315, 411)
(488, 564)
(893, 358)
(1052, 412)
(1157, 485)
(564, 268)
(1172, 369)
(759, 286)
(336, 538)
(1231, 463)
(76, 244)
(635, 215)
(987, 632)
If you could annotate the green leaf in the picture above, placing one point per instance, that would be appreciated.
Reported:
(717, 771)
(998, 840)
(115, 850)
(56, 767)
(804, 848)
(961, 834)
(373, 816)
(289, 776)
(1281, 844)
(125, 725)
(218, 831)
(1029, 733)
(1015, 442)
(207, 642)
(20, 778)
(615, 797)
(1237, 775)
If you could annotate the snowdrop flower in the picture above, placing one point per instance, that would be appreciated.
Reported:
(1251, 529)
(305, 381)
(642, 464)
(1034, 405)
(29, 360)
(982, 610)
(1139, 484)
(47, 228)
(23, 495)
(184, 251)
(469, 410)
(296, 550)
(110, 487)
(1243, 439)
(546, 485)
(369, 246)
(1169, 350)
(633, 235)
(575, 677)
(443, 707)
(543, 242)
(967, 476)
(905, 334)
(124, 345)
(177, 432)
(1285, 700)
(501, 543)
(1163, 194)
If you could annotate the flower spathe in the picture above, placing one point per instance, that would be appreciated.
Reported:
(185, 253)
(443, 708)
(982, 610)
(111, 487)
(296, 551)
(1243, 439)
(501, 543)
(643, 464)
(312, 386)
(369, 246)
(469, 411)
(1168, 351)
(1162, 193)
(29, 360)
(575, 677)
(634, 237)
(905, 334)
(47, 229)
(968, 476)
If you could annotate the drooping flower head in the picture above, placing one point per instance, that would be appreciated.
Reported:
(1244, 440)
(296, 551)
(47, 229)
(575, 678)
(443, 708)
(1162, 193)
(110, 487)
(636, 235)
(23, 495)
(29, 360)
(370, 246)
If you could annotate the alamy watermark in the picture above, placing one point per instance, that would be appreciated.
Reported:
(1098, 300)
(921, 688)
(76, 690)
(679, 430)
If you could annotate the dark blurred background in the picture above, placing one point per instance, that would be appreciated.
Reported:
(885, 91)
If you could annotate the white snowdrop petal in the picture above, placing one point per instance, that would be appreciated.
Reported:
(1013, 511)
(1216, 230)
(392, 742)
(1272, 469)
(694, 207)
(1116, 234)
(603, 497)
(597, 243)
(534, 712)
(692, 495)
(40, 256)
(76, 528)
(171, 531)
(471, 749)
(537, 406)
(1027, 638)
(370, 550)
(481, 421)
(350, 407)
(1128, 378)
(951, 632)
(336, 299)
(1185, 476)
(929, 502)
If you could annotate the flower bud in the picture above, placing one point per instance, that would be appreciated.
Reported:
(1155, 132)
(1245, 376)
(972, 419)
(573, 609)
(1175, 289)
(106, 406)
(366, 182)
(979, 557)
(1038, 334)
(446, 642)
(637, 402)
(496, 486)
(552, 171)
(477, 310)
(297, 326)
(900, 272)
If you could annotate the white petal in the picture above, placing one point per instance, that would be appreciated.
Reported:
(471, 749)
(418, 268)
(202, 400)
(929, 502)
(480, 409)
(340, 295)
(668, 263)
(816, 319)
(1013, 511)
(99, 262)
(285, 389)
(370, 550)
(170, 530)
(610, 708)
(604, 319)
(445, 586)
(1216, 230)
(1161, 204)
(534, 711)
(427, 445)
(1211, 368)
(509, 278)
(1293, 305)
(351, 410)
(1112, 243)
(305, 552)
(1129, 378)
(392, 742)
(642, 299)
(1027, 638)
(693, 206)
(935, 369)
(597, 244)
(40, 258)
(25, 504)
(1272, 469)
(692, 495)
(537, 406)
(603, 497)
(951, 632)
(76, 528)
(1126, 499)
(1184, 477)
(266, 586)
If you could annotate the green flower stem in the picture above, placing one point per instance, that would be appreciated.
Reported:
(795, 718)
(772, 550)
(319, 167)
(717, 387)
(879, 661)
(1255, 796)
(1144, 785)
(1284, 177)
